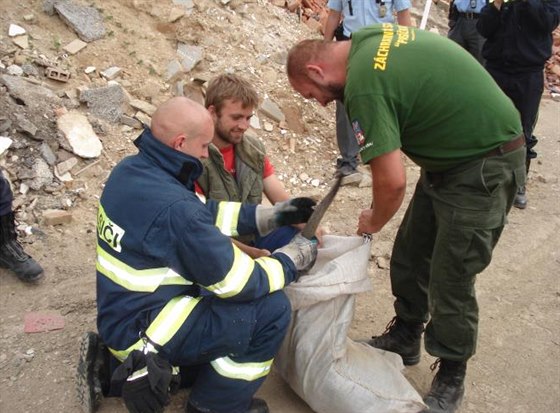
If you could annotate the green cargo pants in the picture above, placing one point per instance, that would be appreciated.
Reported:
(446, 238)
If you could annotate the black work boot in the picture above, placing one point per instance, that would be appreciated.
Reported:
(448, 387)
(402, 338)
(93, 376)
(12, 255)
(257, 406)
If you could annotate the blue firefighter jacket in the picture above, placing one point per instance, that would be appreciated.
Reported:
(160, 249)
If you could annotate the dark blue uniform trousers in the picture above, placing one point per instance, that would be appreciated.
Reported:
(246, 332)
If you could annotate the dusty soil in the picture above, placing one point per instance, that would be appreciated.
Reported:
(516, 368)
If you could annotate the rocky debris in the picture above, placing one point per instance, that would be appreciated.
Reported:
(5, 143)
(75, 46)
(145, 107)
(31, 95)
(86, 21)
(189, 55)
(15, 30)
(80, 135)
(56, 217)
(107, 102)
(40, 175)
(56, 73)
(271, 109)
(111, 73)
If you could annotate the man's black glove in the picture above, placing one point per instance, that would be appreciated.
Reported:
(292, 211)
(146, 380)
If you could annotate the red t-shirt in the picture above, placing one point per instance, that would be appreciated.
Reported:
(228, 154)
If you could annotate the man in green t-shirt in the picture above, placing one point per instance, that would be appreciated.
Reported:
(414, 92)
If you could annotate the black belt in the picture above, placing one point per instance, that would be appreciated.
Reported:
(468, 15)
(506, 147)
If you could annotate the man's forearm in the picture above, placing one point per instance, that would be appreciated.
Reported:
(332, 23)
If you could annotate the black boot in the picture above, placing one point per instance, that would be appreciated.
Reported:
(93, 376)
(12, 255)
(402, 338)
(448, 387)
(257, 406)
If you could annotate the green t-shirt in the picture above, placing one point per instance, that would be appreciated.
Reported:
(423, 93)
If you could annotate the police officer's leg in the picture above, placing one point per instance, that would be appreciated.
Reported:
(410, 265)
(474, 40)
(470, 211)
(456, 32)
(347, 144)
(236, 344)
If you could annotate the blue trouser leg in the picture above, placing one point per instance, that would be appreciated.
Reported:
(277, 238)
(234, 344)
(6, 196)
(347, 144)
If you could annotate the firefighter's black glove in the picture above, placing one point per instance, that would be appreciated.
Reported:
(292, 211)
(146, 381)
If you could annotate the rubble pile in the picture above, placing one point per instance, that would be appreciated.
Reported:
(552, 68)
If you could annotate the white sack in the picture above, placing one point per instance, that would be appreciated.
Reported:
(331, 372)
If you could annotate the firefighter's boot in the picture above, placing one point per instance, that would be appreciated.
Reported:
(12, 255)
(448, 387)
(93, 374)
(402, 338)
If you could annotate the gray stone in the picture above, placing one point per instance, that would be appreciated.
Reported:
(189, 55)
(86, 21)
(47, 154)
(111, 72)
(48, 6)
(271, 109)
(108, 102)
(30, 70)
(14, 70)
(79, 134)
(174, 69)
(21, 41)
(75, 46)
(42, 175)
(5, 124)
(65, 166)
(143, 106)
(33, 96)
(129, 121)
(26, 126)
(142, 117)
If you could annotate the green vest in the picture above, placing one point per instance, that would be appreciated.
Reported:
(247, 186)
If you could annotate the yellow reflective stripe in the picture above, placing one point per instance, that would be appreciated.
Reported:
(226, 367)
(274, 271)
(165, 325)
(136, 280)
(228, 217)
(237, 277)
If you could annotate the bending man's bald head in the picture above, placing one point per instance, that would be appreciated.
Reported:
(179, 115)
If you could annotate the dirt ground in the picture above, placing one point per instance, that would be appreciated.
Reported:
(516, 368)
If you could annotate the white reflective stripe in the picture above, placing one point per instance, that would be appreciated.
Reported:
(138, 374)
(165, 325)
(237, 277)
(226, 367)
(147, 280)
(274, 272)
(228, 217)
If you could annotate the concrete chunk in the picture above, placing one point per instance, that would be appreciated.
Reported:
(86, 21)
(271, 109)
(15, 30)
(33, 96)
(75, 46)
(145, 107)
(56, 217)
(189, 55)
(111, 72)
(107, 102)
(80, 135)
